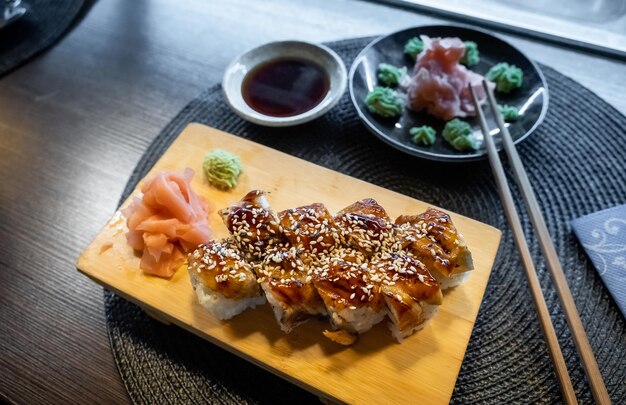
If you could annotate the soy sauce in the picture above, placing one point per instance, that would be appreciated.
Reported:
(285, 87)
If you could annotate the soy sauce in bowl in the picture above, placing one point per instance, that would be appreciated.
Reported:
(285, 87)
(284, 83)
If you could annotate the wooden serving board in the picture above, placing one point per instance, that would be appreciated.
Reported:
(422, 369)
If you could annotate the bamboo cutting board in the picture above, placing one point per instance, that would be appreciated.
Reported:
(422, 369)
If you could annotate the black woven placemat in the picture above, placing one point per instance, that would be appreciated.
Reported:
(43, 24)
(576, 163)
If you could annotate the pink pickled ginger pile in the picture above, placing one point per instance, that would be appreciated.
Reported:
(439, 84)
(166, 222)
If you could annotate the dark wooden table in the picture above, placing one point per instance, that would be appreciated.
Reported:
(74, 122)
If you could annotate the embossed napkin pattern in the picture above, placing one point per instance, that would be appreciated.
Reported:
(603, 236)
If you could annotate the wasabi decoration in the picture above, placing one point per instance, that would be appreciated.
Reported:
(506, 77)
(459, 135)
(413, 47)
(384, 101)
(471, 56)
(509, 113)
(222, 168)
(423, 135)
(389, 75)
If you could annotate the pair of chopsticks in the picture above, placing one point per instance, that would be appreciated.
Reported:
(585, 352)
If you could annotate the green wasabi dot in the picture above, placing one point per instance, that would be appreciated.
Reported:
(459, 135)
(384, 102)
(506, 77)
(389, 75)
(222, 168)
(413, 47)
(423, 135)
(471, 56)
(509, 113)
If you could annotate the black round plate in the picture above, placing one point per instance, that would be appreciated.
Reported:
(531, 99)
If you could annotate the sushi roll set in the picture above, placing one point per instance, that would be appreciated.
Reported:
(354, 268)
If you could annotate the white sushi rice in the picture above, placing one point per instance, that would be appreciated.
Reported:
(428, 311)
(452, 281)
(357, 320)
(277, 307)
(462, 272)
(467, 262)
(224, 308)
(280, 308)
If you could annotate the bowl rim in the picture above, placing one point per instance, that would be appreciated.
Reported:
(333, 95)
(482, 155)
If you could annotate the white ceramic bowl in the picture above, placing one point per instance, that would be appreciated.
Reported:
(323, 56)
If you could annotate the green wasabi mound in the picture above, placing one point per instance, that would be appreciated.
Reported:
(384, 101)
(509, 113)
(423, 135)
(471, 56)
(413, 47)
(222, 168)
(459, 135)
(506, 77)
(389, 75)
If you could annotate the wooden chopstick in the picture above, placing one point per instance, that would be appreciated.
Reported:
(585, 351)
(562, 374)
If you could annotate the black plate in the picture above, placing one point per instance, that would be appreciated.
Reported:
(7, 17)
(531, 99)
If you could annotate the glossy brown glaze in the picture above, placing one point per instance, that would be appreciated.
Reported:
(288, 279)
(407, 288)
(310, 227)
(253, 224)
(221, 268)
(433, 239)
(365, 226)
(344, 284)
(403, 274)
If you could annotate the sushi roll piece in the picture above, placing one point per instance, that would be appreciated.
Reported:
(353, 301)
(311, 228)
(433, 239)
(366, 226)
(223, 281)
(411, 293)
(253, 224)
(286, 278)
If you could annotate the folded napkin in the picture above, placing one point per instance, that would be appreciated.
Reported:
(603, 235)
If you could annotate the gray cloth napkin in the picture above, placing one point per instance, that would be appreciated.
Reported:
(603, 235)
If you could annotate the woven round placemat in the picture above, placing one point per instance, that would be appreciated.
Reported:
(576, 163)
(44, 23)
